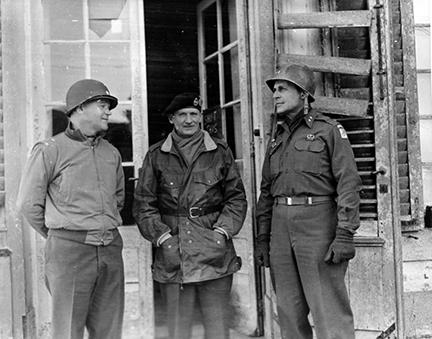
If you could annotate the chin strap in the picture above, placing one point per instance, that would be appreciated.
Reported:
(273, 127)
(306, 106)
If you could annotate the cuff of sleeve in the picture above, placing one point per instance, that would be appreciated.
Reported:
(349, 228)
(221, 231)
(162, 238)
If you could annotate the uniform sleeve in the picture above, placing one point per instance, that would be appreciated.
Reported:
(233, 214)
(145, 207)
(265, 201)
(33, 187)
(348, 182)
(120, 191)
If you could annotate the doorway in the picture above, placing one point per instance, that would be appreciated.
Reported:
(200, 46)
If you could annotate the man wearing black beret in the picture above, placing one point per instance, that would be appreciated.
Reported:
(190, 202)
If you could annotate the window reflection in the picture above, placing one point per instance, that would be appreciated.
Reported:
(108, 19)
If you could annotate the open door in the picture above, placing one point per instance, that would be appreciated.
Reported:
(348, 45)
(224, 86)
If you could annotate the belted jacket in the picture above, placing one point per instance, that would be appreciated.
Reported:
(190, 201)
(312, 157)
(71, 183)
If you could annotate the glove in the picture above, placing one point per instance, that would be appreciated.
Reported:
(262, 250)
(342, 248)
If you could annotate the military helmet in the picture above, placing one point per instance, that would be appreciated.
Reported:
(87, 90)
(299, 75)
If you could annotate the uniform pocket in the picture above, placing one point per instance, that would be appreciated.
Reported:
(309, 156)
(206, 187)
(171, 186)
(170, 254)
(208, 247)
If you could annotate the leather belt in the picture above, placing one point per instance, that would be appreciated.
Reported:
(310, 200)
(192, 212)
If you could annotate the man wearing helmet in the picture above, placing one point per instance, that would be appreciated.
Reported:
(308, 211)
(72, 191)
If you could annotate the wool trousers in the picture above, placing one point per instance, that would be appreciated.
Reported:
(212, 297)
(86, 284)
(303, 282)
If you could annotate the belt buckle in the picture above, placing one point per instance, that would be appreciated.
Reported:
(289, 201)
(309, 201)
(192, 210)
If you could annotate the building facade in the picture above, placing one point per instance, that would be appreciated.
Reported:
(372, 61)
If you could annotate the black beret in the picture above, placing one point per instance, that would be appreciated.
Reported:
(183, 100)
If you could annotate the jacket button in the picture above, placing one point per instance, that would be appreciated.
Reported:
(190, 241)
(218, 241)
(188, 232)
(169, 246)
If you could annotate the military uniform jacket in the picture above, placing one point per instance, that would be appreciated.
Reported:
(71, 183)
(315, 158)
(167, 190)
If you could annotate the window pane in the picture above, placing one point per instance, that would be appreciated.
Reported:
(63, 20)
(424, 93)
(120, 131)
(229, 21)
(212, 82)
(108, 19)
(64, 65)
(421, 11)
(59, 120)
(423, 47)
(210, 29)
(110, 63)
(231, 75)
(426, 140)
(126, 212)
(233, 132)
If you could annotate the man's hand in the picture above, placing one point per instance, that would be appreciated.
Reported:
(262, 250)
(342, 248)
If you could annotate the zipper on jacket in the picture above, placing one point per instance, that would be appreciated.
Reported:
(99, 183)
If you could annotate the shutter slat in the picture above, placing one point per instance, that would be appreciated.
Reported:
(341, 106)
(328, 64)
(325, 19)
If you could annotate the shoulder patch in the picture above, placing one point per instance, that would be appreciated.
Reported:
(342, 131)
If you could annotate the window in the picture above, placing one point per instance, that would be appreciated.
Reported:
(219, 67)
(422, 19)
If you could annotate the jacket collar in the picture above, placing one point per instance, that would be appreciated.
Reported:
(310, 118)
(209, 143)
(77, 135)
